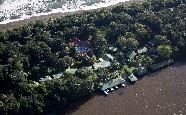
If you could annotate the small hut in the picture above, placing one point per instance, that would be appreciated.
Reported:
(132, 78)
(104, 87)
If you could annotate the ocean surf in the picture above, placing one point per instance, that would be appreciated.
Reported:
(16, 10)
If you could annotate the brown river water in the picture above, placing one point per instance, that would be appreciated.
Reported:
(160, 93)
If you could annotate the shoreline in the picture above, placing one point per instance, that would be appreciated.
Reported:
(16, 24)
(66, 7)
(144, 97)
(56, 61)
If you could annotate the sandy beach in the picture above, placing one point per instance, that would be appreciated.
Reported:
(161, 93)
(11, 25)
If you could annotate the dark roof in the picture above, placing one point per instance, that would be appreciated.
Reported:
(80, 46)
(160, 65)
(74, 41)
(152, 43)
(140, 72)
(84, 43)
(153, 51)
(78, 42)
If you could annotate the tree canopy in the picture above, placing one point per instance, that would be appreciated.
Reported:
(40, 49)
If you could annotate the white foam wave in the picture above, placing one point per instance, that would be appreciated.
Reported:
(16, 10)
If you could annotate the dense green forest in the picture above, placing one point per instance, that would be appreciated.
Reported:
(42, 49)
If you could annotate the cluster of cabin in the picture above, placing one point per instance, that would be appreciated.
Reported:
(133, 77)
(105, 61)
(111, 85)
(83, 48)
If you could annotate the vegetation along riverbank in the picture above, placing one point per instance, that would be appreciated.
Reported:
(159, 93)
(47, 67)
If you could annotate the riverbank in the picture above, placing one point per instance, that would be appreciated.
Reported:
(11, 25)
(51, 68)
(161, 93)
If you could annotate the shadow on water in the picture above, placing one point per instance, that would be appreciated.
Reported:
(181, 60)
(128, 82)
(75, 107)
(72, 107)
(180, 63)
(154, 74)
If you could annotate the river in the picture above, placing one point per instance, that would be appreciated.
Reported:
(161, 93)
